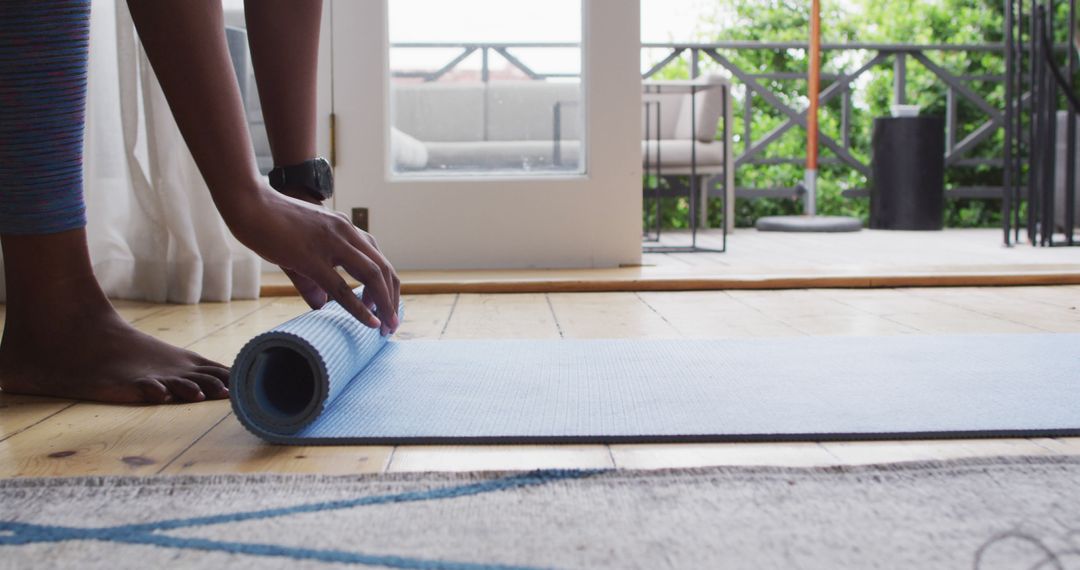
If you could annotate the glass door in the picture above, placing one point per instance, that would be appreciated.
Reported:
(490, 134)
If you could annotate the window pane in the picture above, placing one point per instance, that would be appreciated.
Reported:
(486, 87)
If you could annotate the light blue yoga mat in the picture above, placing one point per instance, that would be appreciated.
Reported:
(322, 378)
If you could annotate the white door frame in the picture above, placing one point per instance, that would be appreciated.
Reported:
(588, 220)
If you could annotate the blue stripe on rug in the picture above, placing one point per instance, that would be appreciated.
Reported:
(14, 533)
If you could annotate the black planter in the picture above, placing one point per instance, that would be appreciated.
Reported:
(907, 191)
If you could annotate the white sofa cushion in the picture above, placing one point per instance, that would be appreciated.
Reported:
(408, 153)
(499, 155)
(439, 111)
(449, 121)
(525, 110)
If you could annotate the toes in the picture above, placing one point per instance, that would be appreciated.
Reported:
(219, 372)
(212, 386)
(201, 362)
(152, 391)
(184, 389)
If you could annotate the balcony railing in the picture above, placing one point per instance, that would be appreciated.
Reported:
(960, 151)
(486, 50)
(757, 97)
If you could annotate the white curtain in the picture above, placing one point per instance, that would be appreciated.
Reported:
(154, 231)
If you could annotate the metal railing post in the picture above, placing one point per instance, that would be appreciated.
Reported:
(845, 118)
(950, 120)
(1006, 173)
(1035, 50)
(1047, 226)
(748, 120)
(900, 78)
(1022, 143)
(1070, 136)
(485, 72)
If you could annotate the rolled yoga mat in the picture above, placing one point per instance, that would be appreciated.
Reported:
(323, 378)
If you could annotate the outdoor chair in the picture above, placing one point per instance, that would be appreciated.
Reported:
(668, 147)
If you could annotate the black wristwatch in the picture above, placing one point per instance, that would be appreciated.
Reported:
(315, 176)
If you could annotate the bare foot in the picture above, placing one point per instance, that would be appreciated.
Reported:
(100, 357)
(63, 338)
(106, 360)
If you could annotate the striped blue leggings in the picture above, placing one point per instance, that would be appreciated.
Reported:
(43, 53)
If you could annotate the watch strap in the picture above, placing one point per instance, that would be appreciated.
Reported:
(304, 175)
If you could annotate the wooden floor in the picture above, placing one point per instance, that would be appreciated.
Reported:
(769, 260)
(48, 437)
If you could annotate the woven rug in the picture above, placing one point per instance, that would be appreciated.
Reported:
(988, 513)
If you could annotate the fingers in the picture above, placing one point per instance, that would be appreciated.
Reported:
(368, 247)
(361, 258)
(312, 294)
(368, 272)
(393, 286)
(339, 290)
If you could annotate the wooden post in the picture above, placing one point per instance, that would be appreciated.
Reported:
(813, 93)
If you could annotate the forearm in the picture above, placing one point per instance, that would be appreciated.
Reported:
(185, 42)
(284, 40)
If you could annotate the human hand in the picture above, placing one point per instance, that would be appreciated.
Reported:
(308, 242)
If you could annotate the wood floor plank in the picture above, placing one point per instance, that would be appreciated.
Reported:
(19, 412)
(848, 325)
(133, 311)
(793, 303)
(425, 316)
(499, 458)
(522, 315)
(866, 452)
(714, 314)
(182, 325)
(959, 322)
(812, 312)
(1061, 296)
(230, 448)
(608, 315)
(1060, 445)
(665, 456)
(882, 302)
(95, 439)
(1017, 305)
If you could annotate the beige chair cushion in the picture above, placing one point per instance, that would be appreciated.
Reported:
(709, 105)
(670, 114)
(676, 154)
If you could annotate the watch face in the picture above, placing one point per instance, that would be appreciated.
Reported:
(324, 175)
